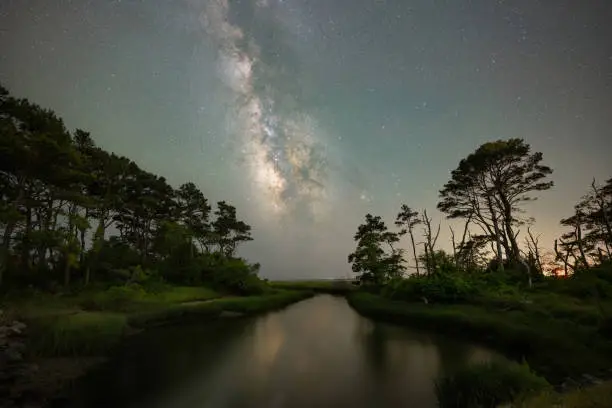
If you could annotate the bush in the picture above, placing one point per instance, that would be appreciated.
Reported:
(584, 284)
(440, 287)
(237, 277)
(488, 385)
(117, 298)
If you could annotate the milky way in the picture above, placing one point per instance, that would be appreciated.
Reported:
(285, 160)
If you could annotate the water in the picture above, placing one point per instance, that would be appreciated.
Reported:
(317, 353)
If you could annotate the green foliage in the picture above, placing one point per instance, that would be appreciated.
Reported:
(334, 287)
(374, 264)
(81, 333)
(62, 194)
(62, 330)
(237, 277)
(592, 283)
(598, 396)
(122, 298)
(555, 347)
(441, 287)
(258, 304)
(488, 385)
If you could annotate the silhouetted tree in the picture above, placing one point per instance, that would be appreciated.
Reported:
(489, 187)
(228, 230)
(407, 219)
(370, 260)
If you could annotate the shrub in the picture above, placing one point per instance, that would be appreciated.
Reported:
(237, 277)
(118, 298)
(488, 385)
(440, 287)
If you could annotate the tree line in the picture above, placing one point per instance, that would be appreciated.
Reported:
(487, 191)
(72, 212)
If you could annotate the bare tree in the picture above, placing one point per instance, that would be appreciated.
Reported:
(407, 219)
(534, 249)
(430, 242)
(568, 247)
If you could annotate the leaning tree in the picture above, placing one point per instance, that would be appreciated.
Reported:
(490, 186)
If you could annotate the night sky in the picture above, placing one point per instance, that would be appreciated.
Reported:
(307, 114)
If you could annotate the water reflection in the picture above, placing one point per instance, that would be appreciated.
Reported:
(318, 353)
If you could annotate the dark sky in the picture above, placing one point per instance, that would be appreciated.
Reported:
(307, 114)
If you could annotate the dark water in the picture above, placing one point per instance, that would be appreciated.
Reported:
(317, 353)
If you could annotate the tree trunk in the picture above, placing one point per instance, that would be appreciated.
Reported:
(528, 269)
(66, 271)
(465, 231)
(427, 262)
(416, 259)
(25, 242)
(82, 241)
(507, 219)
(580, 244)
(500, 259)
(455, 261)
(604, 211)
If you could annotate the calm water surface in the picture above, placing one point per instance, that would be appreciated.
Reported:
(317, 353)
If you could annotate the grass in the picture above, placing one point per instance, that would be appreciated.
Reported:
(488, 385)
(131, 299)
(90, 323)
(79, 333)
(555, 348)
(334, 287)
(201, 310)
(179, 294)
(598, 396)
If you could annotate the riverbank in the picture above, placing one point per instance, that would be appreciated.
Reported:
(66, 336)
(597, 396)
(325, 286)
(557, 349)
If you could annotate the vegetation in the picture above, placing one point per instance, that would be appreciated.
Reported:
(492, 288)
(94, 248)
(73, 215)
(334, 287)
(74, 330)
(488, 385)
(598, 396)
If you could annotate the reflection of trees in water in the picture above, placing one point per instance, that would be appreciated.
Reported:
(155, 361)
(375, 343)
(392, 351)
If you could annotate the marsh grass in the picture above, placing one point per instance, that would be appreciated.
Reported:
(598, 396)
(134, 298)
(66, 330)
(488, 385)
(258, 304)
(555, 348)
(80, 333)
(333, 287)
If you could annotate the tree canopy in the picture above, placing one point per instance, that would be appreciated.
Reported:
(61, 194)
(490, 186)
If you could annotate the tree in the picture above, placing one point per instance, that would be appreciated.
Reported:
(228, 230)
(194, 213)
(590, 237)
(407, 219)
(54, 185)
(370, 259)
(490, 186)
(430, 243)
